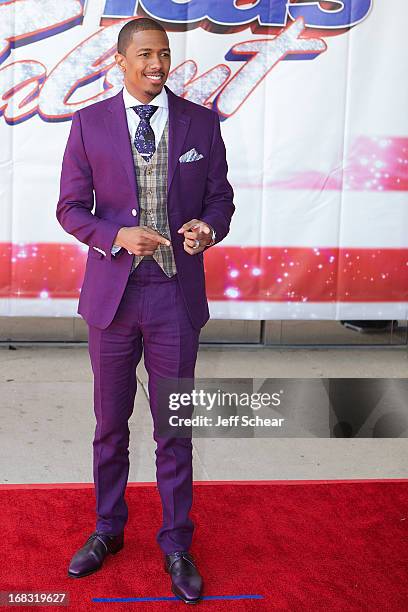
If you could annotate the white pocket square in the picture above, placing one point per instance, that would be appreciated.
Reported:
(190, 156)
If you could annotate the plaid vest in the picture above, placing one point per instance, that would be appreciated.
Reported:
(151, 178)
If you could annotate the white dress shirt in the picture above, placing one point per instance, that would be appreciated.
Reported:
(157, 121)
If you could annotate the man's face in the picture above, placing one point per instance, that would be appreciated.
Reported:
(147, 54)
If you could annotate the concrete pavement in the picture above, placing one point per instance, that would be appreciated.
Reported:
(47, 419)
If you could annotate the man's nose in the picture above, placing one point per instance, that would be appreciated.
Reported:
(156, 63)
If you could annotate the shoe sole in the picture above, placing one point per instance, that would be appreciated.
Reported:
(98, 568)
(187, 601)
(83, 575)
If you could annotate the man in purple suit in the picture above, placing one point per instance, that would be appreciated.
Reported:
(157, 165)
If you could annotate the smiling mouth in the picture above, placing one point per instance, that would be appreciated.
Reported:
(154, 78)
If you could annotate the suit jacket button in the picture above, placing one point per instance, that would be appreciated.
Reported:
(134, 212)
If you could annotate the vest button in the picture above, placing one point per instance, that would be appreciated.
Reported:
(134, 212)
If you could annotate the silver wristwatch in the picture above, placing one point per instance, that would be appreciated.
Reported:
(213, 237)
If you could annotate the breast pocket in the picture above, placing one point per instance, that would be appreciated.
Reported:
(193, 166)
(94, 254)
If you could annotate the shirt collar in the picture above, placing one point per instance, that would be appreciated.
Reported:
(159, 100)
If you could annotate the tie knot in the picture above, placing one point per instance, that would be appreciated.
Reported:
(145, 111)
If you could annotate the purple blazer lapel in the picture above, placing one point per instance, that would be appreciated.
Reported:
(179, 123)
(116, 123)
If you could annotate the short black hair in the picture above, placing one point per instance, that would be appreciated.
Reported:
(136, 25)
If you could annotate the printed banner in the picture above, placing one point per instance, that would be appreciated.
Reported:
(313, 100)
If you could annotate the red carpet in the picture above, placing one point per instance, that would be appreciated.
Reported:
(298, 546)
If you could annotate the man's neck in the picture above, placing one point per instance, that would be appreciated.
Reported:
(141, 96)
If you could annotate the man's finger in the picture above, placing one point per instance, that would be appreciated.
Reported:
(188, 225)
(192, 251)
(190, 242)
(201, 227)
(151, 234)
(191, 235)
(197, 228)
(164, 240)
(194, 233)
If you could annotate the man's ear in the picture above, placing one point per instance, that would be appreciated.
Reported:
(120, 61)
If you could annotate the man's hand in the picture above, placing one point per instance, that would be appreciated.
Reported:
(196, 234)
(140, 240)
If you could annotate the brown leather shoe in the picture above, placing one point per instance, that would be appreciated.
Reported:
(186, 582)
(90, 557)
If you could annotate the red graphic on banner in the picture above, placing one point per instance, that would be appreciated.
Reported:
(271, 274)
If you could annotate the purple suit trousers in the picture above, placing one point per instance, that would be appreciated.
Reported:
(152, 317)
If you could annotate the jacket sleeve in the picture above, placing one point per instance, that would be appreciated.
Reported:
(218, 206)
(76, 200)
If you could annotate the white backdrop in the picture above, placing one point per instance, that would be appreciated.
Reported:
(317, 150)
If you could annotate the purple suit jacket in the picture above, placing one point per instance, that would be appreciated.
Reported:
(98, 157)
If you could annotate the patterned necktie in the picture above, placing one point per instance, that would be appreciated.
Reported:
(144, 137)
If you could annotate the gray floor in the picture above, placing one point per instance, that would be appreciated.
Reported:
(47, 419)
